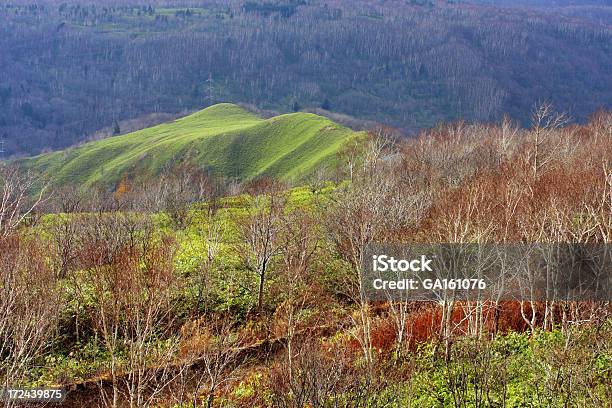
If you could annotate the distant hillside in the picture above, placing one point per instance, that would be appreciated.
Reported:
(224, 138)
(542, 3)
(70, 69)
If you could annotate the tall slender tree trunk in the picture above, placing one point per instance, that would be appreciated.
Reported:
(262, 279)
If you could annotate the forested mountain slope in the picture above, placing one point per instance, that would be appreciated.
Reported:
(69, 68)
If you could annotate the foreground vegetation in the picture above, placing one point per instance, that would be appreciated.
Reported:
(174, 293)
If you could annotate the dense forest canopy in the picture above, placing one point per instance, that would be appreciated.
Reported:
(543, 3)
(71, 68)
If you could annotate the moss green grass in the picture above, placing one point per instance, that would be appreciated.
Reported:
(225, 139)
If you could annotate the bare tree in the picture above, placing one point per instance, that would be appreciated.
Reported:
(544, 121)
(508, 133)
(259, 232)
(16, 203)
(29, 294)
(66, 243)
(366, 210)
(211, 234)
(301, 237)
(68, 199)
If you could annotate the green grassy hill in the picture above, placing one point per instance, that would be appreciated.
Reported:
(224, 138)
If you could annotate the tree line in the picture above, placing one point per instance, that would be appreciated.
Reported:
(70, 69)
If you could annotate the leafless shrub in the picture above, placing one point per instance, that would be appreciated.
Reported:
(130, 277)
(30, 303)
(213, 349)
(475, 372)
(310, 381)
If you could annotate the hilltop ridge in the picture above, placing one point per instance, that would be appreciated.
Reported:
(225, 139)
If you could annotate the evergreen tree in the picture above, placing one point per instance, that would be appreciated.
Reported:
(326, 104)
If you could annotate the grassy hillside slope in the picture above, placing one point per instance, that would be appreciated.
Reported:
(224, 138)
